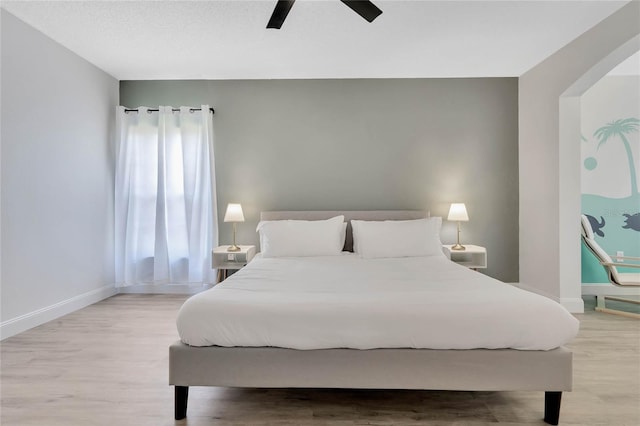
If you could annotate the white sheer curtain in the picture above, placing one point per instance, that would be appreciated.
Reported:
(165, 219)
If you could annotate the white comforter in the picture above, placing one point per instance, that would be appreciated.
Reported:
(348, 302)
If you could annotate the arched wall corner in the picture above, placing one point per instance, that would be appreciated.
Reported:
(603, 67)
(569, 176)
(549, 157)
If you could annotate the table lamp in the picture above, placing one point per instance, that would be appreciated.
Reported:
(458, 212)
(234, 215)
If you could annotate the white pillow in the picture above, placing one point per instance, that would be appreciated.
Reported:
(397, 238)
(279, 238)
(343, 235)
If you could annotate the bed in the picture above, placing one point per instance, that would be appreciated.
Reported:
(277, 324)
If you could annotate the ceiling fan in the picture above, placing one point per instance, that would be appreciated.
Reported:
(364, 8)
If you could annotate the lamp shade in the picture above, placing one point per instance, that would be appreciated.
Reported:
(458, 212)
(234, 213)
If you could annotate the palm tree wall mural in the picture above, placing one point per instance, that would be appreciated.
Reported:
(620, 128)
(609, 135)
(616, 218)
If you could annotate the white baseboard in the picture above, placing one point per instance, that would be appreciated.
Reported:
(596, 289)
(163, 289)
(25, 322)
(575, 305)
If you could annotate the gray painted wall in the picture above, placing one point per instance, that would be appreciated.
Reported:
(57, 179)
(363, 144)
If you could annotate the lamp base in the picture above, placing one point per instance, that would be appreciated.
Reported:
(458, 247)
(234, 247)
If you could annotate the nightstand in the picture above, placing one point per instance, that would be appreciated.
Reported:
(473, 257)
(227, 262)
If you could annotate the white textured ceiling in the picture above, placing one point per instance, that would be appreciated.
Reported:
(139, 40)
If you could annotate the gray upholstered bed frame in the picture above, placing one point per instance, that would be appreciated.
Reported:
(427, 369)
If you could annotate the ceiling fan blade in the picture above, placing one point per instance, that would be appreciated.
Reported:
(364, 8)
(280, 13)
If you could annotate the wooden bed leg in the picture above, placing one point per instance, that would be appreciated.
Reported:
(181, 397)
(552, 407)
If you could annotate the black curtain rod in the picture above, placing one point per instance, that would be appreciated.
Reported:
(172, 109)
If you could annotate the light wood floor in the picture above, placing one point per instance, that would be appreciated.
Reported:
(107, 365)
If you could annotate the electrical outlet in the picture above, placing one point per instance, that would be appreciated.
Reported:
(620, 254)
